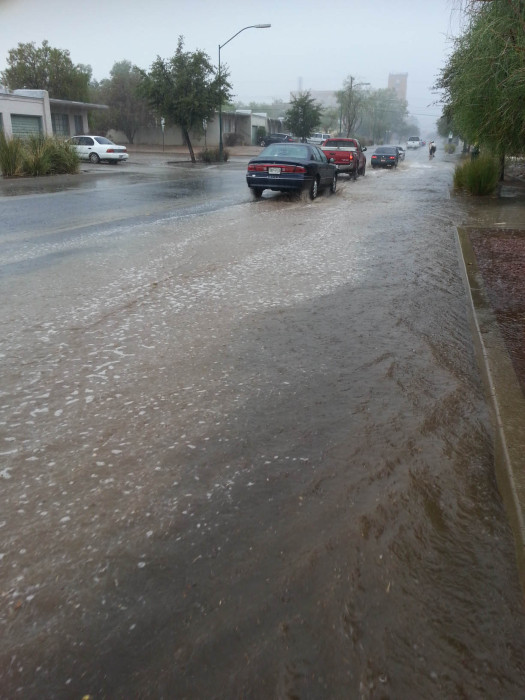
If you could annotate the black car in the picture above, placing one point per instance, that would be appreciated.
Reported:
(291, 167)
(385, 157)
(276, 138)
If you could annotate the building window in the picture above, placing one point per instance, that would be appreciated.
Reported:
(60, 124)
(79, 124)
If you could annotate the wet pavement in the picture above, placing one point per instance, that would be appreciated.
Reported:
(248, 454)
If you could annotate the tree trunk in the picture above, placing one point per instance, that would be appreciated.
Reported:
(502, 167)
(186, 135)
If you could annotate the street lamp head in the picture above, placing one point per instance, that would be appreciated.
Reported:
(262, 26)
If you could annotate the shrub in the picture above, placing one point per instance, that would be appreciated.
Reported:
(459, 176)
(37, 155)
(36, 158)
(211, 155)
(478, 177)
(10, 156)
(64, 158)
(450, 148)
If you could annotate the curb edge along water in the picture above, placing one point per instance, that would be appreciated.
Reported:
(505, 398)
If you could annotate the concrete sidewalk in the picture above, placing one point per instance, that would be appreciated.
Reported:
(181, 152)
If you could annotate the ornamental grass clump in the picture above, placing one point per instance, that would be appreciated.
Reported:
(64, 158)
(36, 155)
(479, 177)
(36, 159)
(10, 156)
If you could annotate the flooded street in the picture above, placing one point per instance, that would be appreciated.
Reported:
(245, 453)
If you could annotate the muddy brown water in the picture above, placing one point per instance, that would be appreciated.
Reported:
(248, 455)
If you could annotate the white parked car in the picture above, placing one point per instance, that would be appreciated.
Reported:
(97, 148)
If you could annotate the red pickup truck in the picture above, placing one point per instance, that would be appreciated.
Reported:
(347, 154)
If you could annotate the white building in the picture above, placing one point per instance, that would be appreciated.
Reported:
(27, 112)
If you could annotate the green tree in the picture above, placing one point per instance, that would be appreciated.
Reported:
(445, 125)
(483, 81)
(185, 89)
(128, 110)
(304, 115)
(350, 99)
(330, 120)
(45, 68)
(384, 114)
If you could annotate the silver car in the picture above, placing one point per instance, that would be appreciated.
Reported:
(318, 138)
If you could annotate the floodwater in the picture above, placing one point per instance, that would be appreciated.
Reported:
(247, 454)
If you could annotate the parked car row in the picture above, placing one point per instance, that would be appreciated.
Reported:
(296, 167)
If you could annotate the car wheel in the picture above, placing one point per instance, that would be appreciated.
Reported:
(314, 188)
(257, 192)
(93, 158)
(363, 171)
(263, 143)
(374, 166)
(333, 186)
(355, 174)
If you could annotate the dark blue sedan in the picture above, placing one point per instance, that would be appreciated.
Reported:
(291, 167)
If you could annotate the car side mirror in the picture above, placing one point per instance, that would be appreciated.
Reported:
(331, 160)
(364, 148)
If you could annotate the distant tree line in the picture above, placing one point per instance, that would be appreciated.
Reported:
(187, 89)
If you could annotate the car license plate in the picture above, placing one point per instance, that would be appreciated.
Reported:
(274, 171)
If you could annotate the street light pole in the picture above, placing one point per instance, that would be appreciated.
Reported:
(221, 46)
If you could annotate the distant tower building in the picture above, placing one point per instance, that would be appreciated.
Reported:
(398, 82)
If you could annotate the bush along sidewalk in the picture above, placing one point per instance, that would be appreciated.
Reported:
(36, 155)
(212, 155)
(479, 176)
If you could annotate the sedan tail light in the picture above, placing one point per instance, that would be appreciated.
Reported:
(284, 167)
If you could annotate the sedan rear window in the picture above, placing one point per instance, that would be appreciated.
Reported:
(277, 149)
(334, 143)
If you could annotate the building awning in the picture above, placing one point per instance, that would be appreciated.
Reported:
(77, 105)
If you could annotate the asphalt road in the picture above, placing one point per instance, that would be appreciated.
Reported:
(245, 449)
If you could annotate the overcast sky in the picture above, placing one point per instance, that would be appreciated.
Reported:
(311, 45)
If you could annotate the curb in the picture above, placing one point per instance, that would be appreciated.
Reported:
(505, 398)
